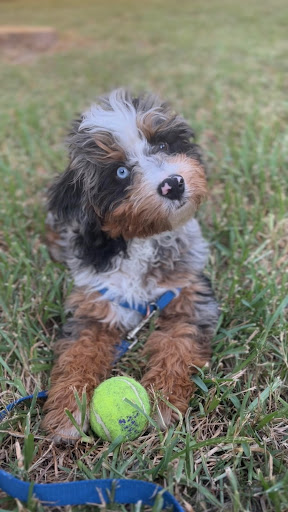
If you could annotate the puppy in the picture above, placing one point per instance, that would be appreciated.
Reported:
(121, 218)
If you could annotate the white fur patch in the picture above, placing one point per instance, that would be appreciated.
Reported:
(117, 116)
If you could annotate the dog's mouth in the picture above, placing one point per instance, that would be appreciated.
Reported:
(177, 205)
(181, 203)
(182, 212)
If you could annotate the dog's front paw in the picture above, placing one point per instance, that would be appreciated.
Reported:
(58, 424)
(64, 430)
(170, 405)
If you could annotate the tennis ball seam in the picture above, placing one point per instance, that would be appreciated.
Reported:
(102, 424)
(136, 393)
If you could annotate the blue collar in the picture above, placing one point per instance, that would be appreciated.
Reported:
(159, 304)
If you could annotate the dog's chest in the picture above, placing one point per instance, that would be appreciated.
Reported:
(132, 277)
(143, 274)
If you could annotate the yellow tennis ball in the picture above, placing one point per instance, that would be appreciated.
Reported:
(111, 416)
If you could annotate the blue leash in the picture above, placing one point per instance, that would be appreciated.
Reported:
(97, 491)
(84, 492)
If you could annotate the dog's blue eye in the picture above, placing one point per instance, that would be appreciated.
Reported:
(122, 172)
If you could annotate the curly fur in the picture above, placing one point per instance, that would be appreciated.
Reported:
(128, 236)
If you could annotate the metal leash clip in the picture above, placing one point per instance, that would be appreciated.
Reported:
(131, 335)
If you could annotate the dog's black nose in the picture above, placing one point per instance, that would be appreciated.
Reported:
(172, 187)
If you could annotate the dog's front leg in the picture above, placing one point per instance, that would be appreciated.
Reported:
(180, 346)
(83, 363)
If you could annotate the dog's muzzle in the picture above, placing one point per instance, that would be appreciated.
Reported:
(172, 187)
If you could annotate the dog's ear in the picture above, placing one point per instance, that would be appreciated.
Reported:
(65, 197)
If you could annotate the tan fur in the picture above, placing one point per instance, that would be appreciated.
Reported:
(110, 149)
(118, 224)
(150, 126)
(146, 124)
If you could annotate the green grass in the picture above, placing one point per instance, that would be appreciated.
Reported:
(224, 65)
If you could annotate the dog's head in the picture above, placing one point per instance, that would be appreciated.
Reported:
(134, 169)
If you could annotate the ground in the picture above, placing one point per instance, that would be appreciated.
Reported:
(222, 64)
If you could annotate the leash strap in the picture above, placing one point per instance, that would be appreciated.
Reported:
(9, 407)
(84, 492)
(98, 491)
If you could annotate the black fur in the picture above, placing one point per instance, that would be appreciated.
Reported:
(179, 140)
(95, 247)
(64, 197)
(110, 189)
